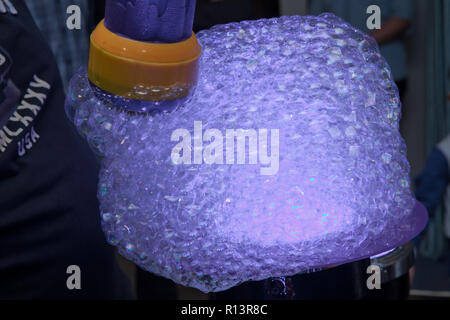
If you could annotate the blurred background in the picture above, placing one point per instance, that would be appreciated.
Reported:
(414, 39)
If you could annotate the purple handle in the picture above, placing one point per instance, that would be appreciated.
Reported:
(165, 21)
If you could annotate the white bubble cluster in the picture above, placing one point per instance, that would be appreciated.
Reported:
(342, 189)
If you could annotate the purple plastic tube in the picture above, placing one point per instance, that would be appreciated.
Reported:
(165, 21)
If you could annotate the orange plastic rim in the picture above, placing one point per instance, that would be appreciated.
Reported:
(142, 70)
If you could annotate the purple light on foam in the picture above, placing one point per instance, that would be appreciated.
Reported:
(341, 192)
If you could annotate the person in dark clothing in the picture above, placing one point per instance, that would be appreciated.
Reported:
(432, 189)
(49, 220)
(9, 94)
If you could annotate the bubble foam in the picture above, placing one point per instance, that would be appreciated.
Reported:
(341, 191)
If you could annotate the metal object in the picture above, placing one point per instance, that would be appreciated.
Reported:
(396, 263)
(279, 288)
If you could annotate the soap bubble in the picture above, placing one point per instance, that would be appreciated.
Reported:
(341, 191)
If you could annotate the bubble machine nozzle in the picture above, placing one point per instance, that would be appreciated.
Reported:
(341, 190)
(129, 64)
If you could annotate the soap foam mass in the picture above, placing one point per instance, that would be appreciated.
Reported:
(342, 189)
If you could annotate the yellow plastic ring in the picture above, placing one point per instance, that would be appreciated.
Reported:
(143, 70)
